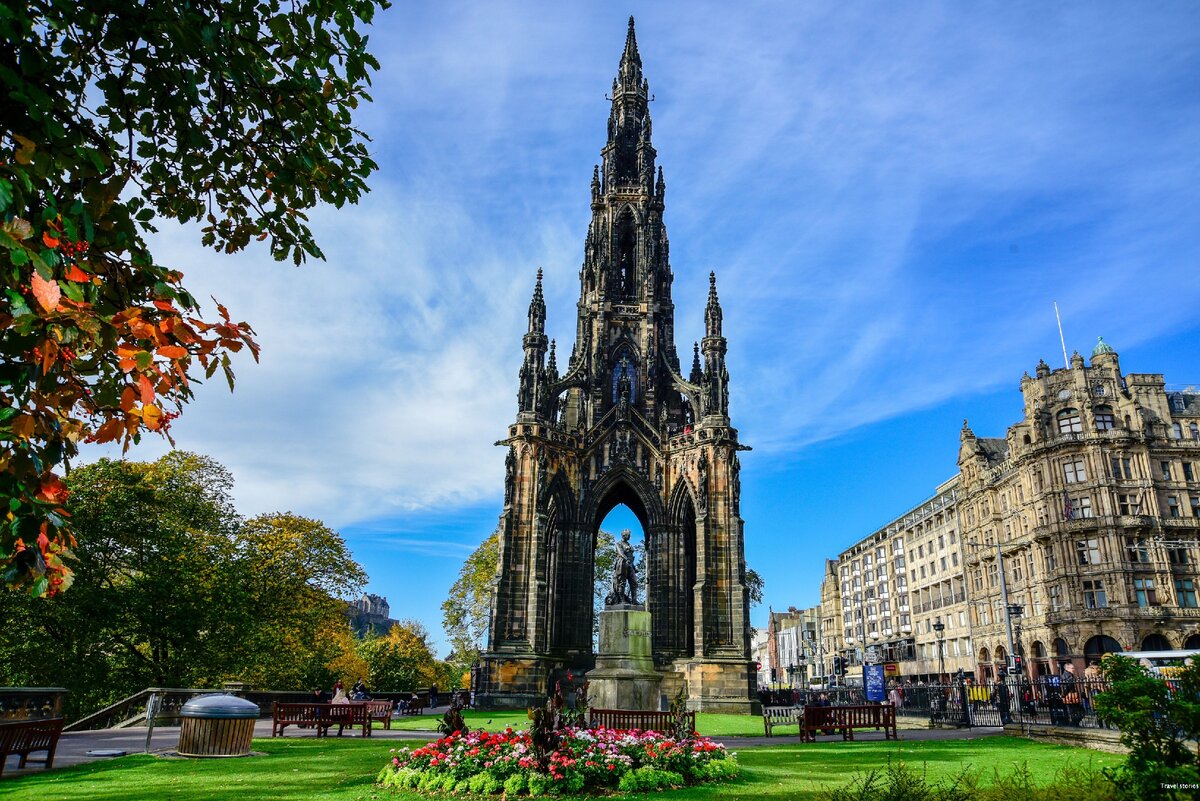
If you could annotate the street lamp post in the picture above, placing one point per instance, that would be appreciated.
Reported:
(939, 627)
(1003, 597)
(1016, 612)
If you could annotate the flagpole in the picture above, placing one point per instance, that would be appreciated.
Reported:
(1061, 339)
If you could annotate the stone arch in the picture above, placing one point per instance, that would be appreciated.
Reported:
(672, 557)
(1157, 642)
(623, 484)
(566, 593)
(1193, 641)
(1100, 645)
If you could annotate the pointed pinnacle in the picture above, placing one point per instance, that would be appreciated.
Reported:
(631, 50)
(712, 287)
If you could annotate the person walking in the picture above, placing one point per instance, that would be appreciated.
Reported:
(433, 696)
(1002, 696)
(1071, 695)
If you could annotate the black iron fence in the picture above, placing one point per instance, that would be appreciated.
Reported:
(1045, 701)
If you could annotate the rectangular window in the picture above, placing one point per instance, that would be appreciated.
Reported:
(1069, 422)
(1104, 421)
(1166, 470)
(1195, 511)
(942, 539)
(1081, 507)
(1050, 558)
(922, 571)
(1126, 504)
(1029, 564)
(1056, 601)
(1094, 596)
(1188, 475)
(1143, 588)
(943, 561)
(1178, 556)
(1176, 431)
(1122, 467)
(1088, 551)
(984, 615)
(1173, 506)
(1196, 506)
(1185, 593)
(1136, 550)
(1074, 471)
(952, 538)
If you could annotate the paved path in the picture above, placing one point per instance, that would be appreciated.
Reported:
(73, 748)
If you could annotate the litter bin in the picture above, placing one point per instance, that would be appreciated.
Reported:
(217, 725)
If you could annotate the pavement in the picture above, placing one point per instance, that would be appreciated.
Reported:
(74, 747)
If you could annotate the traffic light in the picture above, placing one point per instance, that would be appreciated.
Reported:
(1018, 663)
(838, 665)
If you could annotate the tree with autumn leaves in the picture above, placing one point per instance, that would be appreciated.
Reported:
(235, 115)
(175, 589)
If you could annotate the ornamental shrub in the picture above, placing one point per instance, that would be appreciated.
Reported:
(582, 761)
(647, 779)
(516, 784)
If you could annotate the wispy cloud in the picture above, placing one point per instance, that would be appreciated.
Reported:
(891, 197)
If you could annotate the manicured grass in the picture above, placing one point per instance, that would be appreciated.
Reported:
(708, 723)
(301, 769)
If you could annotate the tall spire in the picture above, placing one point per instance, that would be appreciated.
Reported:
(537, 308)
(630, 71)
(712, 312)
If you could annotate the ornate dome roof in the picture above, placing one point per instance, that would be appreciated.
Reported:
(1102, 348)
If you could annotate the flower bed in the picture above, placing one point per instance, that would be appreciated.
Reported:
(585, 761)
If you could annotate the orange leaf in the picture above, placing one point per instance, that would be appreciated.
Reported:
(50, 240)
(151, 416)
(172, 352)
(126, 364)
(109, 431)
(128, 398)
(77, 275)
(164, 305)
(46, 292)
(146, 389)
(52, 489)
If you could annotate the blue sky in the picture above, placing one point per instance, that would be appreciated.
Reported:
(892, 196)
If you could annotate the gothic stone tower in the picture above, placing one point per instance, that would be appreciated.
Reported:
(622, 424)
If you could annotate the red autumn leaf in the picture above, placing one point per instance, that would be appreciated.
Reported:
(52, 489)
(46, 292)
(77, 275)
(172, 352)
(128, 398)
(145, 389)
(109, 431)
(49, 239)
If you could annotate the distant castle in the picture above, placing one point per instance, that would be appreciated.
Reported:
(370, 614)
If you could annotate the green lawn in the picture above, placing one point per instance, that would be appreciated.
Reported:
(708, 723)
(304, 769)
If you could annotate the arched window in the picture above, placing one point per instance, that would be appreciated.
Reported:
(1100, 645)
(624, 375)
(1192, 642)
(1156, 642)
(624, 260)
(1069, 422)
(1194, 429)
(1104, 418)
(1060, 647)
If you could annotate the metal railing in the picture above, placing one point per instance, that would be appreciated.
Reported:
(1044, 701)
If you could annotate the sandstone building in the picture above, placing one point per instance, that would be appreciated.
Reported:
(623, 424)
(1090, 504)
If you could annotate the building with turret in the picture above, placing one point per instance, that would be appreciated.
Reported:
(623, 424)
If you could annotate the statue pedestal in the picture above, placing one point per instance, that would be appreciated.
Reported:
(624, 676)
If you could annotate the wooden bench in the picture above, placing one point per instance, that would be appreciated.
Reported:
(380, 710)
(846, 719)
(662, 722)
(320, 717)
(782, 716)
(27, 737)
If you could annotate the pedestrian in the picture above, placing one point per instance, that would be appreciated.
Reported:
(1071, 694)
(1002, 697)
(433, 696)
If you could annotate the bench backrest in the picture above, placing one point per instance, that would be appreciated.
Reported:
(380, 707)
(311, 713)
(30, 735)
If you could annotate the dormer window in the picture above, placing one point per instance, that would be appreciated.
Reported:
(1177, 403)
(1069, 422)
